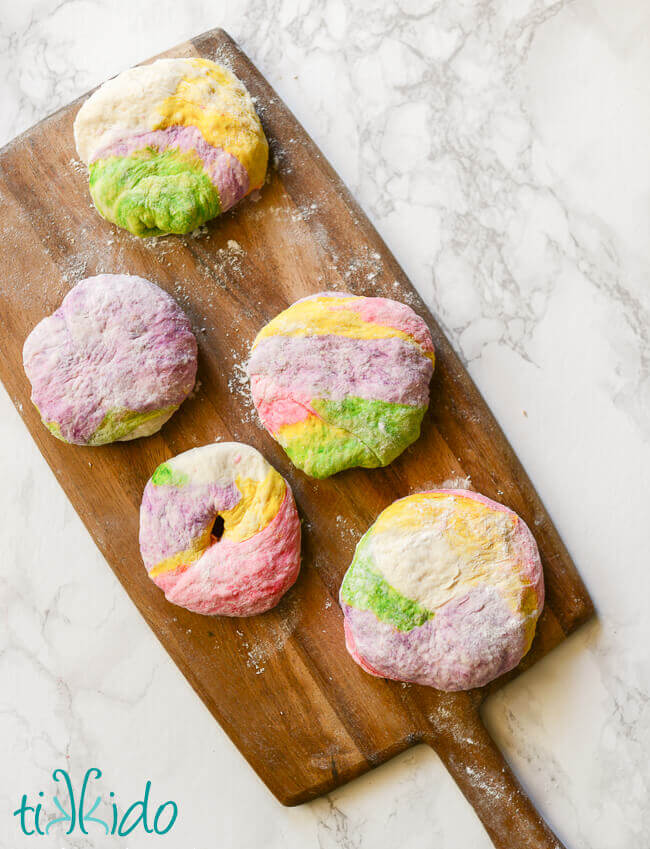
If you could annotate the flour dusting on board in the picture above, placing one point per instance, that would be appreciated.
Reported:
(239, 387)
(78, 166)
(457, 483)
(346, 528)
(260, 649)
(229, 262)
(452, 482)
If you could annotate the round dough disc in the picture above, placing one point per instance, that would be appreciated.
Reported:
(114, 362)
(341, 381)
(170, 145)
(445, 589)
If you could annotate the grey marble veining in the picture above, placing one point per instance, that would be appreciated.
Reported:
(501, 150)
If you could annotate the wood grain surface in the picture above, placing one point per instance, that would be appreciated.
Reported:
(303, 714)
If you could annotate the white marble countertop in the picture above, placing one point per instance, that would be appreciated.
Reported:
(501, 148)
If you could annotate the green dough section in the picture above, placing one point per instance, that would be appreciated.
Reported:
(120, 423)
(115, 425)
(151, 193)
(166, 476)
(385, 429)
(54, 429)
(354, 432)
(325, 451)
(366, 590)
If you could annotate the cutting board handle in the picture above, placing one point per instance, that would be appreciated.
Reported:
(487, 782)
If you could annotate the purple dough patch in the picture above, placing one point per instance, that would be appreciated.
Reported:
(171, 517)
(224, 170)
(116, 343)
(388, 369)
(469, 642)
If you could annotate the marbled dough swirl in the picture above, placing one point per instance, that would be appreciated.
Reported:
(341, 381)
(113, 362)
(445, 589)
(170, 145)
(256, 559)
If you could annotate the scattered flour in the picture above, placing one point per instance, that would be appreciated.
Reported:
(457, 483)
(195, 391)
(278, 627)
(345, 528)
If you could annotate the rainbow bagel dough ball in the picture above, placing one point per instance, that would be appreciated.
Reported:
(170, 145)
(114, 362)
(257, 557)
(341, 381)
(445, 589)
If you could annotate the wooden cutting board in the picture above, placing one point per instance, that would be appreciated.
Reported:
(301, 712)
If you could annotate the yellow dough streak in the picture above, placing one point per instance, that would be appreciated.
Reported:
(313, 318)
(231, 125)
(470, 546)
(183, 559)
(257, 507)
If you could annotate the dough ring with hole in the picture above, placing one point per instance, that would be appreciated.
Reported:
(219, 531)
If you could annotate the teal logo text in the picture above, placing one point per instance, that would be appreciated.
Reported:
(76, 812)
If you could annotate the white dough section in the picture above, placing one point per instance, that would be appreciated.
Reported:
(221, 463)
(127, 104)
(421, 564)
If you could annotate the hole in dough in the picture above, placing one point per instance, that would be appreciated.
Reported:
(218, 528)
